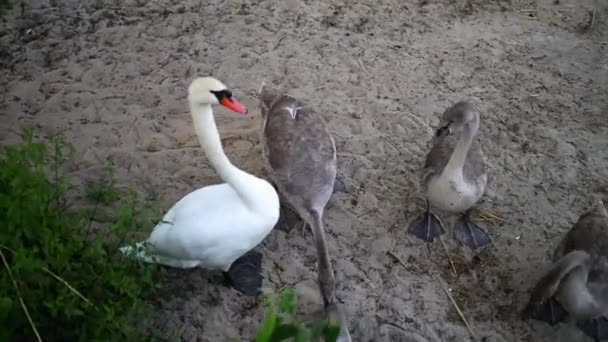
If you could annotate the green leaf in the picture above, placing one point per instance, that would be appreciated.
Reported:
(265, 332)
(283, 332)
(331, 333)
(302, 336)
(287, 303)
(6, 305)
(40, 231)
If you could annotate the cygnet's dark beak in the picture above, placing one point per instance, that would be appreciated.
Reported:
(443, 131)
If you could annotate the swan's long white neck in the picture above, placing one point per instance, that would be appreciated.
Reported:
(459, 156)
(209, 138)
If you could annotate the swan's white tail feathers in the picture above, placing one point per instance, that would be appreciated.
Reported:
(141, 252)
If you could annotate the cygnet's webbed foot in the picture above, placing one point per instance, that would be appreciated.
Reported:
(551, 311)
(469, 234)
(288, 219)
(595, 328)
(245, 274)
(427, 226)
(339, 186)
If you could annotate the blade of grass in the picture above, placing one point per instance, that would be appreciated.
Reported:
(447, 251)
(27, 313)
(456, 307)
(66, 285)
(63, 281)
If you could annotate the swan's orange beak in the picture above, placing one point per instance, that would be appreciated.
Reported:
(232, 104)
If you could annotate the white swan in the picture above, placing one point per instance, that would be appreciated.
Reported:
(217, 226)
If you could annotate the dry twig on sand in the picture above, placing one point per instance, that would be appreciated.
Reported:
(447, 292)
(447, 251)
(488, 216)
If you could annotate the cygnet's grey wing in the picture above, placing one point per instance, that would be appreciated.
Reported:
(437, 158)
(598, 273)
(474, 170)
(300, 151)
(550, 281)
(589, 233)
(598, 282)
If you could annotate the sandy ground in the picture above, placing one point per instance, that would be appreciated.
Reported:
(113, 75)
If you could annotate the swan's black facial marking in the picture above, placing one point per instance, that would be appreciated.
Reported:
(222, 94)
(224, 97)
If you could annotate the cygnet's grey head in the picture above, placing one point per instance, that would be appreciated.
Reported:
(456, 117)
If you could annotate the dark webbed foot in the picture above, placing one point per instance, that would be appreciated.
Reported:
(427, 226)
(551, 311)
(245, 274)
(339, 186)
(288, 219)
(595, 328)
(469, 234)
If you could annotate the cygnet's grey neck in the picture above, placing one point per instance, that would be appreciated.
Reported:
(459, 155)
(575, 295)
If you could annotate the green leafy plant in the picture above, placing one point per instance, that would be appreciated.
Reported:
(4, 4)
(281, 323)
(62, 277)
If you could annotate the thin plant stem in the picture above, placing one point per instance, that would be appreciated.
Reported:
(23, 306)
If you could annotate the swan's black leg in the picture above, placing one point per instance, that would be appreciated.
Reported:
(427, 226)
(245, 274)
(469, 234)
